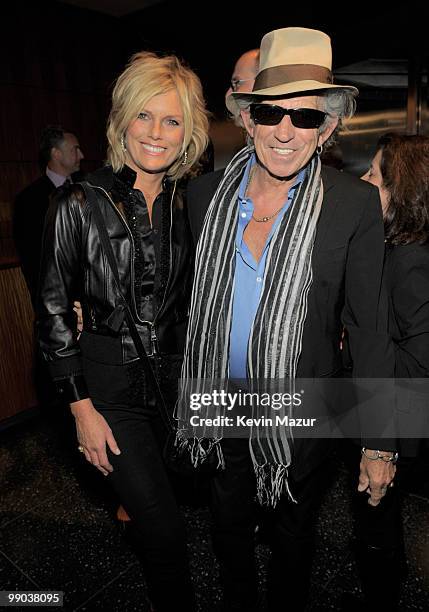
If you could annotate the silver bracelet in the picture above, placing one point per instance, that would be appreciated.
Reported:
(378, 455)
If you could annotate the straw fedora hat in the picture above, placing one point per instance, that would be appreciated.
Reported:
(291, 61)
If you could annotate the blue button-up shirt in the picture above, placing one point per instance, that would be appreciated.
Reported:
(249, 276)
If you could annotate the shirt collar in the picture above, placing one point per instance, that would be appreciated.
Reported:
(57, 179)
(245, 180)
(128, 176)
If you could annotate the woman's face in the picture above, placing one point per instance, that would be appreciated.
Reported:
(374, 177)
(154, 140)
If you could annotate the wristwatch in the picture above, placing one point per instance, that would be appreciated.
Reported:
(379, 455)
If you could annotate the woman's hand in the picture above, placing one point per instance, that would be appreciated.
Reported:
(93, 433)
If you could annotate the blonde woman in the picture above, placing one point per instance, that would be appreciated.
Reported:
(157, 131)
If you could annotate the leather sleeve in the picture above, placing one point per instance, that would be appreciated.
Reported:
(58, 287)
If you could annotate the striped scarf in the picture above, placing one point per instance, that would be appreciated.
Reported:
(276, 335)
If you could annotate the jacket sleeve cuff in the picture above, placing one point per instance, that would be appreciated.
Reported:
(64, 367)
(383, 444)
(73, 388)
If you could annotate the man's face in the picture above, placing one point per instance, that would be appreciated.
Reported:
(284, 149)
(69, 154)
(244, 74)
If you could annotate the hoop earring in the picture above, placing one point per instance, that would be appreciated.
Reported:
(185, 158)
(319, 150)
(123, 146)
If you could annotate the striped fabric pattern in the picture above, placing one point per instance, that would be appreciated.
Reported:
(276, 334)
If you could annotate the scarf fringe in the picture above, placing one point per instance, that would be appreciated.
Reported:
(200, 449)
(271, 480)
(276, 333)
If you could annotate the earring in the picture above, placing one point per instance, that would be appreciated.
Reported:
(185, 158)
(123, 147)
(319, 150)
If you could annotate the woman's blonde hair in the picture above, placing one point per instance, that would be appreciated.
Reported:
(148, 75)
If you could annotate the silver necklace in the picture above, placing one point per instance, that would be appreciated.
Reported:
(265, 219)
(260, 219)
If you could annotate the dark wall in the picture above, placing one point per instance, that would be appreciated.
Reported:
(57, 62)
(56, 66)
(211, 35)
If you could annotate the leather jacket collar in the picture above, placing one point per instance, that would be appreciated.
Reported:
(104, 177)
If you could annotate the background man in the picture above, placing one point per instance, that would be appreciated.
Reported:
(60, 156)
(243, 78)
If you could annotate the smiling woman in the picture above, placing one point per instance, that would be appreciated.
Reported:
(157, 124)
(154, 140)
(157, 131)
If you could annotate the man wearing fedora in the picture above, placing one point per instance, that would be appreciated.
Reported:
(289, 254)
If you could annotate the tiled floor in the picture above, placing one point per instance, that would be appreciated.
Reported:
(57, 532)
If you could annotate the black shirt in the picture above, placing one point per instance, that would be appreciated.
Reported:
(146, 238)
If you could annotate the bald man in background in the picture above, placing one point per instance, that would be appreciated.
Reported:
(243, 77)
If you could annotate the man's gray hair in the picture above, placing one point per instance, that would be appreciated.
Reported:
(339, 103)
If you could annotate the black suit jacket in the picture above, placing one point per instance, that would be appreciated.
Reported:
(347, 266)
(407, 284)
(28, 222)
(29, 214)
(407, 281)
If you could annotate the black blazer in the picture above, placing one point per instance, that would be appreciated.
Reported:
(407, 283)
(28, 220)
(347, 270)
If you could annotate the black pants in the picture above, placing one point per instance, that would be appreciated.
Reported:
(291, 529)
(379, 540)
(141, 482)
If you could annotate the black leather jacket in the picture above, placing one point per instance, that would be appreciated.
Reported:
(74, 267)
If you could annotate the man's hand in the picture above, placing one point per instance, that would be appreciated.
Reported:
(376, 476)
(93, 433)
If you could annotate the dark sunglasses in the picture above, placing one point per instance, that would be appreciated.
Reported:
(270, 114)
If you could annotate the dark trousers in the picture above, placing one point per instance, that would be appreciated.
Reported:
(142, 485)
(291, 531)
(379, 541)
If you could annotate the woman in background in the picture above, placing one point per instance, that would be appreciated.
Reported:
(157, 131)
(400, 170)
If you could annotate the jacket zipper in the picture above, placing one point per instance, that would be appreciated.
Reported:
(89, 306)
(153, 336)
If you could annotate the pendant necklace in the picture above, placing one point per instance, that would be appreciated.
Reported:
(265, 219)
(260, 219)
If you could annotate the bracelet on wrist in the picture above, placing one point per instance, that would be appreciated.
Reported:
(393, 458)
